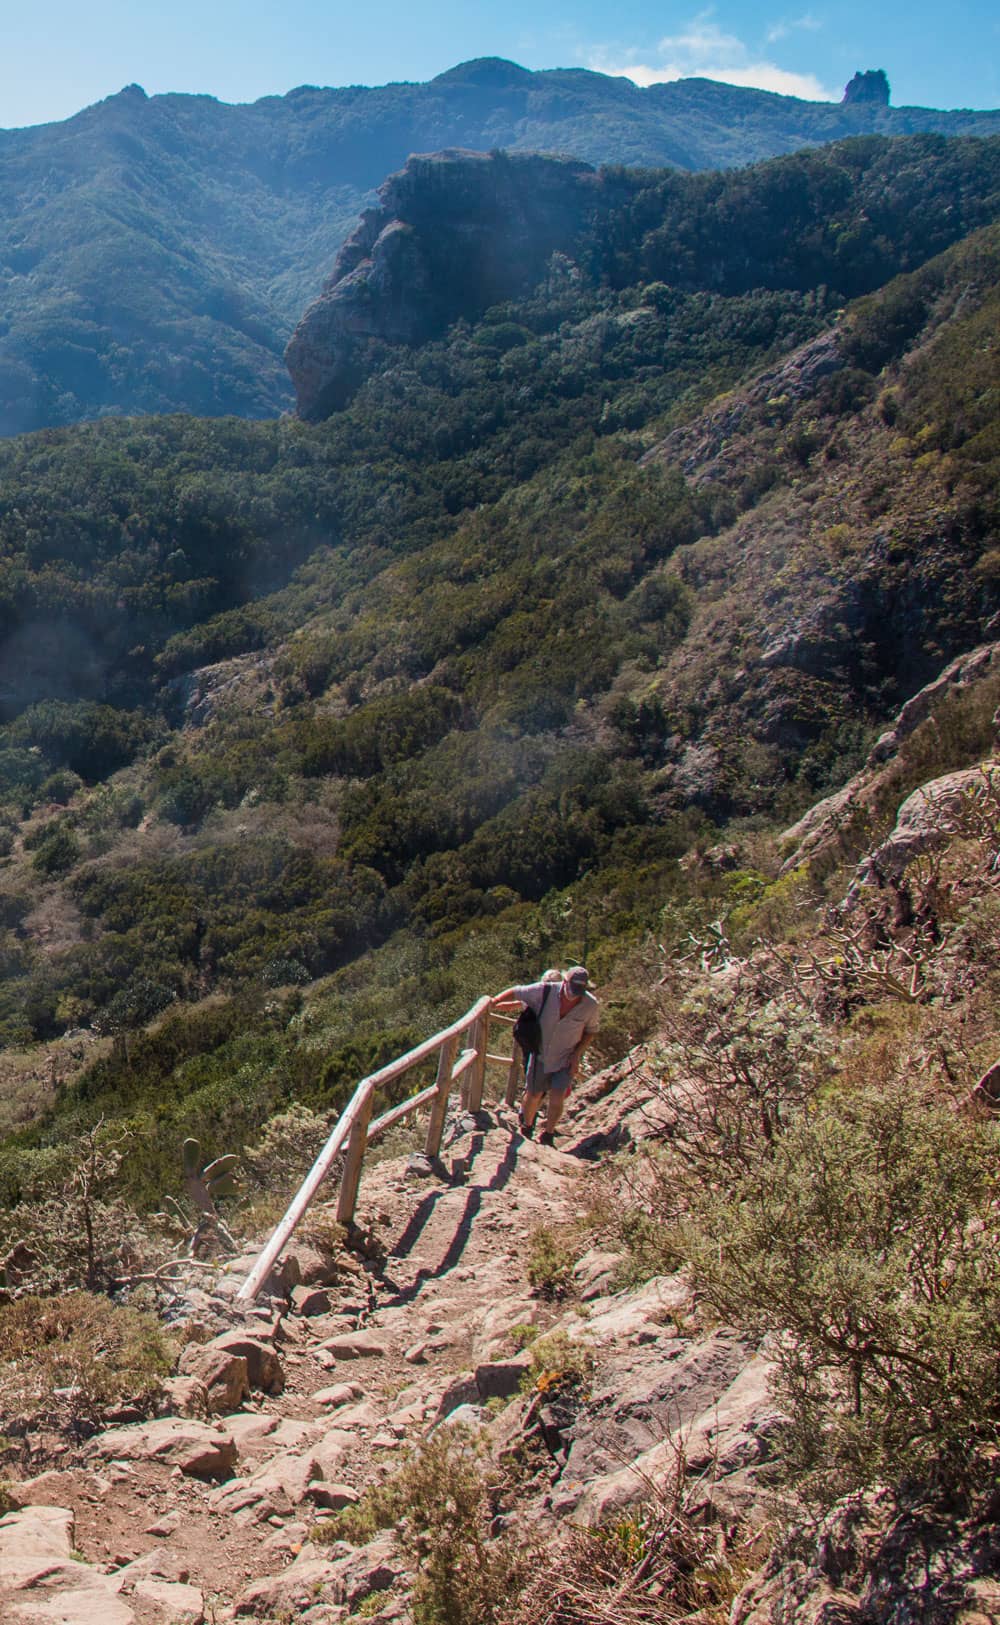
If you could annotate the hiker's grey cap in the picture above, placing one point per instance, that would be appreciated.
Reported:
(578, 978)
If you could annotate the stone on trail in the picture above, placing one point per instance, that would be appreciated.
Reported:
(264, 1369)
(166, 1526)
(364, 1415)
(250, 1428)
(160, 1578)
(502, 1379)
(289, 1475)
(463, 1391)
(224, 1375)
(358, 1346)
(184, 1396)
(309, 1265)
(45, 1584)
(341, 1393)
(311, 1300)
(181, 1604)
(247, 1502)
(331, 1497)
(197, 1448)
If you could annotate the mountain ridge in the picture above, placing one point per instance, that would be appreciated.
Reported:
(155, 252)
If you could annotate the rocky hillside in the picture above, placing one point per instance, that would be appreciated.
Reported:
(646, 619)
(155, 252)
(457, 233)
(540, 1384)
(295, 715)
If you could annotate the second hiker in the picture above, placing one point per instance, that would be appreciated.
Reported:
(568, 1016)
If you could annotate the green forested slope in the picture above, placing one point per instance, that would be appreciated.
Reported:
(624, 564)
(155, 252)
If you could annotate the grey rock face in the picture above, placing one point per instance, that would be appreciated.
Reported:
(454, 233)
(869, 1566)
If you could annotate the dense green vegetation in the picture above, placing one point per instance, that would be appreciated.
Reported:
(311, 733)
(166, 272)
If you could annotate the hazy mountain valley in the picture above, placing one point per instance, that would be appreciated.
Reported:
(626, 590)
(156, 252)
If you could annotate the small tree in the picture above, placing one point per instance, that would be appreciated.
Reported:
(131, 1008)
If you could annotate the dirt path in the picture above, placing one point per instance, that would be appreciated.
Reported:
(450, 1286)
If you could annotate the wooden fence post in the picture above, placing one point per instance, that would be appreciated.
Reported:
(477, 1074)
(439, 1107)
(354, 1157)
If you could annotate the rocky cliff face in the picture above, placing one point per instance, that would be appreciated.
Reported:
(454, 233)
(869, 89)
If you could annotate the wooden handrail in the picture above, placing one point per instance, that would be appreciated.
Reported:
(353, 1125)
(405, 1107)
(397, 1113)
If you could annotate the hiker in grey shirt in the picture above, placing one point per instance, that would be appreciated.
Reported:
(569, 1018)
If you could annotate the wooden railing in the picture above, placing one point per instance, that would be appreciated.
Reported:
(355, 1129)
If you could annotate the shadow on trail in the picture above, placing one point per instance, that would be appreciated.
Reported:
(461, 1167)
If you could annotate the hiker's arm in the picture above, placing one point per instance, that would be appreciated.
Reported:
(581, 1046)
(513, 998)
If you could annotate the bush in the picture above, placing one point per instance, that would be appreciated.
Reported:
(287, 1149)
(442, 1504)
(559, 1361)
(660, 1561)
(550, 1262)
(66, 1359)
(64, 1222)
(57, 851)
(868, 1245)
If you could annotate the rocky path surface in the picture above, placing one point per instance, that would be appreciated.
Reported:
(283, 1413)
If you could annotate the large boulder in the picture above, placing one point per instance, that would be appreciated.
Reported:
(222, 1373)
(265, 1371)
(871, 1564)
(197, 1448)
(42, 1582)
(927, 819)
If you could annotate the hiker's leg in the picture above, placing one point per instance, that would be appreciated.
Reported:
(559, 1086)
(534, 1091)
(530, 1105)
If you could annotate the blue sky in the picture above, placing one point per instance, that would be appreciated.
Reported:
(60, 55)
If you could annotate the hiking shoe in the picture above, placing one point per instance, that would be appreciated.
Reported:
(527, 1129)
(546, 1138)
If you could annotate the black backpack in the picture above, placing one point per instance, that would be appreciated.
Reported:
(528, 1028)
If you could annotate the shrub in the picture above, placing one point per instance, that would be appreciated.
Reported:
(65, 1223)
(66, 1359)
(559, 1361)
(867, 1243)
(57, 851)
(735, 1065)
(287, 1149)
(660, 1561)
(442, 1505)
(550, 1262)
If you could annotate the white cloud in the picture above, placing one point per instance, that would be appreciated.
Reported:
(703, 50)
(792, 25)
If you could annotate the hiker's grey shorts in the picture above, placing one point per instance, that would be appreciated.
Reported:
(556, 1083)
